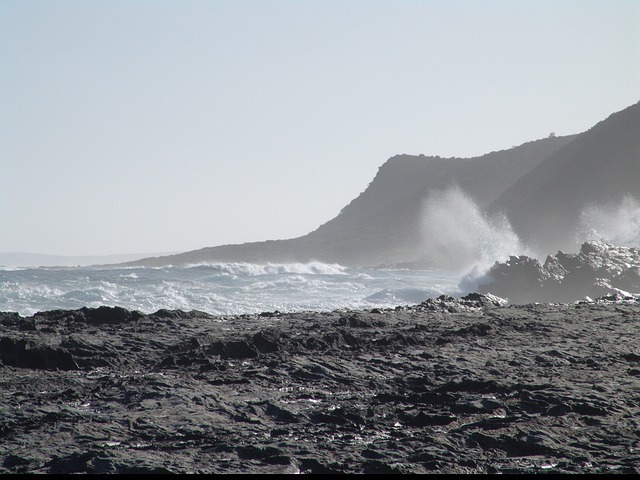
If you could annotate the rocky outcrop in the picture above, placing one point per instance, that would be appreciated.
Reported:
(445, 386)
(599, 269)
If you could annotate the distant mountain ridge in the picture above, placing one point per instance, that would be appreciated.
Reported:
(540, 186)
(600, 166)
(381, 226)
(34, 260)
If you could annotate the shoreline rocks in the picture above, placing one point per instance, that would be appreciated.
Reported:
(598, 269)
(446, 386)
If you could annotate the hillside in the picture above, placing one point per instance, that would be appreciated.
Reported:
(541, 188)
(598, 168)
(382, 226)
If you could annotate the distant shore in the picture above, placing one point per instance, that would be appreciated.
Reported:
(35, 260)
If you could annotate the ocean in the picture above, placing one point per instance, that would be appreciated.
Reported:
(220, 289)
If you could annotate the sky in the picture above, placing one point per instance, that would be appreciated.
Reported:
(156, 126)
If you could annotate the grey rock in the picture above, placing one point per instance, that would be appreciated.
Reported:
(598, 269)
(447, 386)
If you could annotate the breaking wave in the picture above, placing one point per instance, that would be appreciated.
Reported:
(253, 270)
(458, 235)
(221, 289)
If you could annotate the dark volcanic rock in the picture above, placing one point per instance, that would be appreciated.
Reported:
(446, 386)
(33, 354)
(599, 269)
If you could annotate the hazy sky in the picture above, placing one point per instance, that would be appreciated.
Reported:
(169, 125)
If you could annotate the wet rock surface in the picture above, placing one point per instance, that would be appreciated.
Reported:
(446, 386)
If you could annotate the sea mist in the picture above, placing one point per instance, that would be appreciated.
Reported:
(458, 236)
(616, 223)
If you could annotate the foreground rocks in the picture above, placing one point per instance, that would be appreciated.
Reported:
(447, 386)
(597, 270)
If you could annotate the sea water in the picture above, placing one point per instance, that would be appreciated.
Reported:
(220, 289)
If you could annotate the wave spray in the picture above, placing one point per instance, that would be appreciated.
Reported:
(618, 224)
(458, 236)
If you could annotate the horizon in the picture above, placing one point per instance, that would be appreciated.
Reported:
(169, 126)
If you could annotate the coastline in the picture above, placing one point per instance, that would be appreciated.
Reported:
(445, 386)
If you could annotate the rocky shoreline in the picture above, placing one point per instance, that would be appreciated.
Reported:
(447, 386)
(599, 269)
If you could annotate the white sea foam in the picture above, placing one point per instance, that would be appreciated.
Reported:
(251, 269)
(251, 289)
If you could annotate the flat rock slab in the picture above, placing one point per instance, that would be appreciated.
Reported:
(447, 386)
